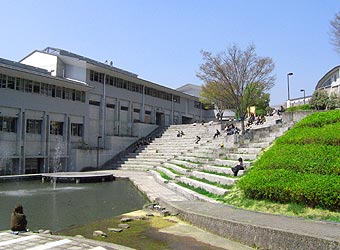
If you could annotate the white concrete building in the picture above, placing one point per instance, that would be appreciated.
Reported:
(57, 107)
(330, 81)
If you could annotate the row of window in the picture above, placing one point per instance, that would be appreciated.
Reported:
(124, 84)
(9, 124)
(30, 86)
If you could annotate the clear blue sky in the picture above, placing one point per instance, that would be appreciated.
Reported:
(161, 40)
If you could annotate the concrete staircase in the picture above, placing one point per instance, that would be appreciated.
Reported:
(182, 165)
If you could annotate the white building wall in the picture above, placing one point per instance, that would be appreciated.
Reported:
(42, 60)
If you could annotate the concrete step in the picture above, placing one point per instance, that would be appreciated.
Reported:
(243, 156)
(214, 178)
(175, 167)
(208, 187)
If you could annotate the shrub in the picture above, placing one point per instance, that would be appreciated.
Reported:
(288, 186)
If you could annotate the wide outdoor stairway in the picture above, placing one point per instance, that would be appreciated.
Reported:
(199, 169)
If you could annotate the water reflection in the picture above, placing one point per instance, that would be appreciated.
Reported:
(68, 204)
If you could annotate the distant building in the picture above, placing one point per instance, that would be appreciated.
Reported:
(194, 90)
(330, 81)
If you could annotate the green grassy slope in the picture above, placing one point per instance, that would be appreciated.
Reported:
(302, 167)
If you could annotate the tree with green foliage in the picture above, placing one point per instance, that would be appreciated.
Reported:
(335, 32)
(322, 101)
(319, 100)
(333, 101)
(212, 94)
(238, 76)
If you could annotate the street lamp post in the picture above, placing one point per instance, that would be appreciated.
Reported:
(98, 138)
(304, 95)
(288, 75)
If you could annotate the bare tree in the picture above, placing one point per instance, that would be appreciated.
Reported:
(335, 31)
(239, 77)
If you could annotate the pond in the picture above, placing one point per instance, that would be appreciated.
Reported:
(68, 204)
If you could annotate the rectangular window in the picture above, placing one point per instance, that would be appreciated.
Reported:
(101, 77)
(59, 92)
(44, 89)
(51, 90)
(110, 106)
(76, 129)
(56, 128)
(177, 99)
(33, 126)
(124, 108)
(8, 124)
(20, 84)
(91, 75)
(147, 112)
(3, 80)
(67, 94)
(95, 103)
(36, 87)
(136, 110)
(78, 95)
(11, 82)
(197, 104)
(28, 86)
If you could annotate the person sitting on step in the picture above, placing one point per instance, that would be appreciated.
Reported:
(238, 167)
(18, 219)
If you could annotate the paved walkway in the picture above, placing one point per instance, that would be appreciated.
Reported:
(32, 241)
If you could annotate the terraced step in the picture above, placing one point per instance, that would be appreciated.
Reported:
(214, 178)
(185, 163)
(208, 187)
(177, 168)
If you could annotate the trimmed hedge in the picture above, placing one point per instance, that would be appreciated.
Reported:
(288, 186)
(303, 166)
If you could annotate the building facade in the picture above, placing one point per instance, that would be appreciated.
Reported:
(330, 81)
(57, 108)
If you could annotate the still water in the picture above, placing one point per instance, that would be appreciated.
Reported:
(68, 204)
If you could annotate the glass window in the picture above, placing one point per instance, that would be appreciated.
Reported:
(3, 80)
(110, 106)
(19, 84)
(28, 86)
(76, 129)
(36, 87)
(44, 89)
(124, 108)
(33, 126)
(8, 124)
(11, 82)
(136, 110)
(59, 92)
(56, 128)
(95, 103)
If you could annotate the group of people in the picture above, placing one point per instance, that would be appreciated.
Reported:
(231, 129)
(180, 133)
(143, 142)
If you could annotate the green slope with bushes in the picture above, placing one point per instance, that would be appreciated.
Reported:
(303, 166)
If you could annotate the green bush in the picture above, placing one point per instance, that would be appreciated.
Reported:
(288, 186)
(300, 107)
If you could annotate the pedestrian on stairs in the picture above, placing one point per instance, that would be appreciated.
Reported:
(197, 139)
(238, 167)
